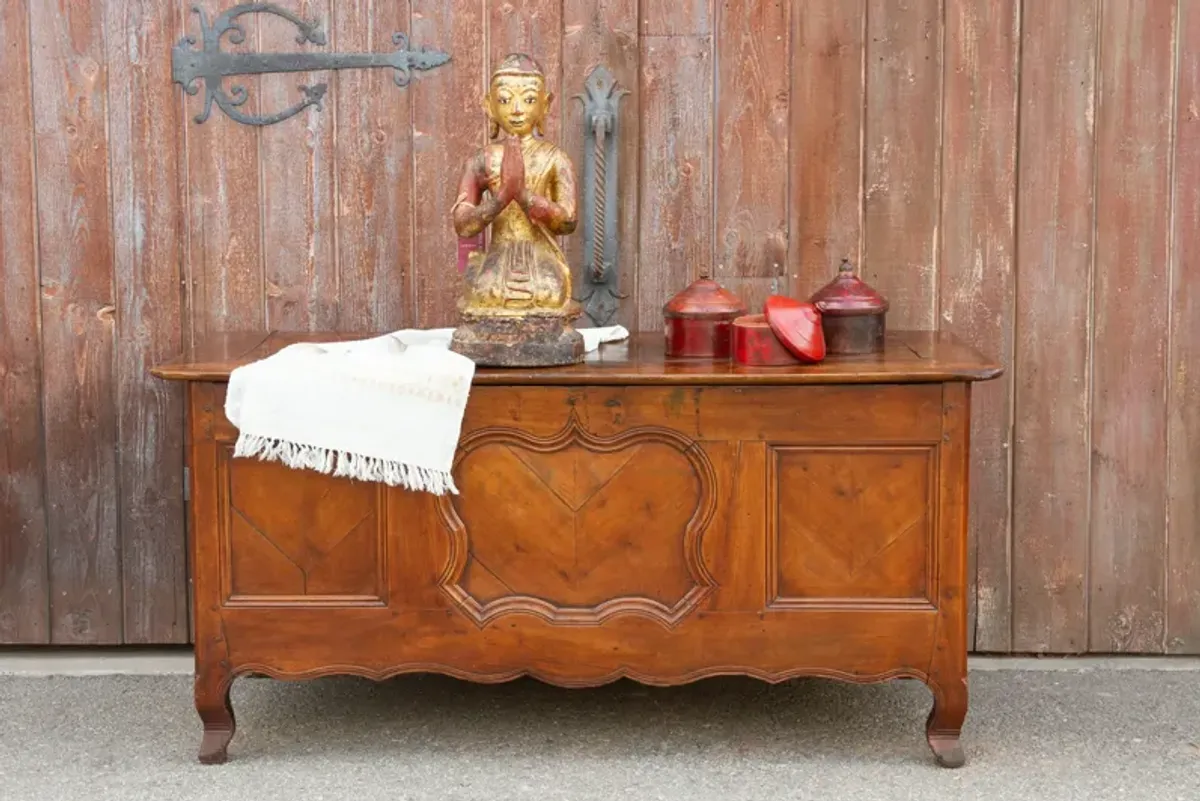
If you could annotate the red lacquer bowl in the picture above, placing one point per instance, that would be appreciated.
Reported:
(755, 344)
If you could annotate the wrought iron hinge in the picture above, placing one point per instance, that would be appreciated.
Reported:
(601, 121)
(187, 484)
(211, 65)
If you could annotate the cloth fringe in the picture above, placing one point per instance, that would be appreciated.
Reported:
(342, 464)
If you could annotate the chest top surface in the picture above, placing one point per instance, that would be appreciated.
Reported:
(908, 357)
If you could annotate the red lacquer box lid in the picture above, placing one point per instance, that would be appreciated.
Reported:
(704, 299)
(848, 295)
(797, 325)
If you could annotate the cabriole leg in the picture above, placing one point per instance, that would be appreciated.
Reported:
(944, 726)
(216, 712)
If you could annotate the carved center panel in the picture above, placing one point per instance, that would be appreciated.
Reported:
(576, 528)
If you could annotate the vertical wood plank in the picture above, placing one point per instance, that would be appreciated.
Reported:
(533, 27)
(1133, 192)
(224, 264)
(448, 126)
(675, 219)
(144, 132)
(976, 277)
(901, 187)
(826, 150)
(675, 230)
(605, 32)
(374, 203)
(1055, 250)
(78, 320)
(24, 583)
(297, 184)
(752, 177)
(1183, 396)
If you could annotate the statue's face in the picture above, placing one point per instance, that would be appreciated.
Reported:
(518, 103)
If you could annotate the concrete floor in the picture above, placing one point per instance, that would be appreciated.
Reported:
(1051, 730)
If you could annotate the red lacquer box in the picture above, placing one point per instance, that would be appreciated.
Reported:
(756, 345)
(698, 322)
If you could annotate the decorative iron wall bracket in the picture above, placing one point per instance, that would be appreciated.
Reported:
(212, 65)
(601, 121)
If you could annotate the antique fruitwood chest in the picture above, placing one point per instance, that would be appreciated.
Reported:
(631, 516)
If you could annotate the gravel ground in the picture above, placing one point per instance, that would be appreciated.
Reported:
(1045, 735)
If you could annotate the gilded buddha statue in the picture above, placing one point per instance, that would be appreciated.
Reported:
(516, 304)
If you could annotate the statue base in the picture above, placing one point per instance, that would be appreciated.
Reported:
(531, 340)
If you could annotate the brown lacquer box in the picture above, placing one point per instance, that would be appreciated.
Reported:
(632, 516)
(853, 315)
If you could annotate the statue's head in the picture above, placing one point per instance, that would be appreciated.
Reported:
(517, 100)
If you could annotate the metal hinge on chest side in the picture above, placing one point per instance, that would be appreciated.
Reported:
(187, 484)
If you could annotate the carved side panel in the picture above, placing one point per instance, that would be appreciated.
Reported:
(577, 528)
(851, 526)
(295, 537)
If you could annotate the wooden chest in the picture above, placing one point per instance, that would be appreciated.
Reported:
(628, 517)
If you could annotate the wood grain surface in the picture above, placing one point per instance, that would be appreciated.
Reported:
(827, 103)
(373, 201)
(676, 193)
(78, 325)
(677, 17)
(751, 144)
(1183, 358)
(908, 356)
(224, 262)
(24, 583)
(903, 141)
(1130, 308)
(676, 217)
(296, 162)
(145, 135)
(448, 126)
(976, 275)
(1051, 489)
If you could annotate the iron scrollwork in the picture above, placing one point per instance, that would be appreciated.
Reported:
(601, 119)
(212, 65)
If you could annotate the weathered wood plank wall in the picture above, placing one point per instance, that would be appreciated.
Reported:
(76, 269)
(1052, 433)
(24, 542)
(976, 274)
(1021, 173)
(1183, 336)
(145, 131)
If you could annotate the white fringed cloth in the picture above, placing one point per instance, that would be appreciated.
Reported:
(387, 409)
